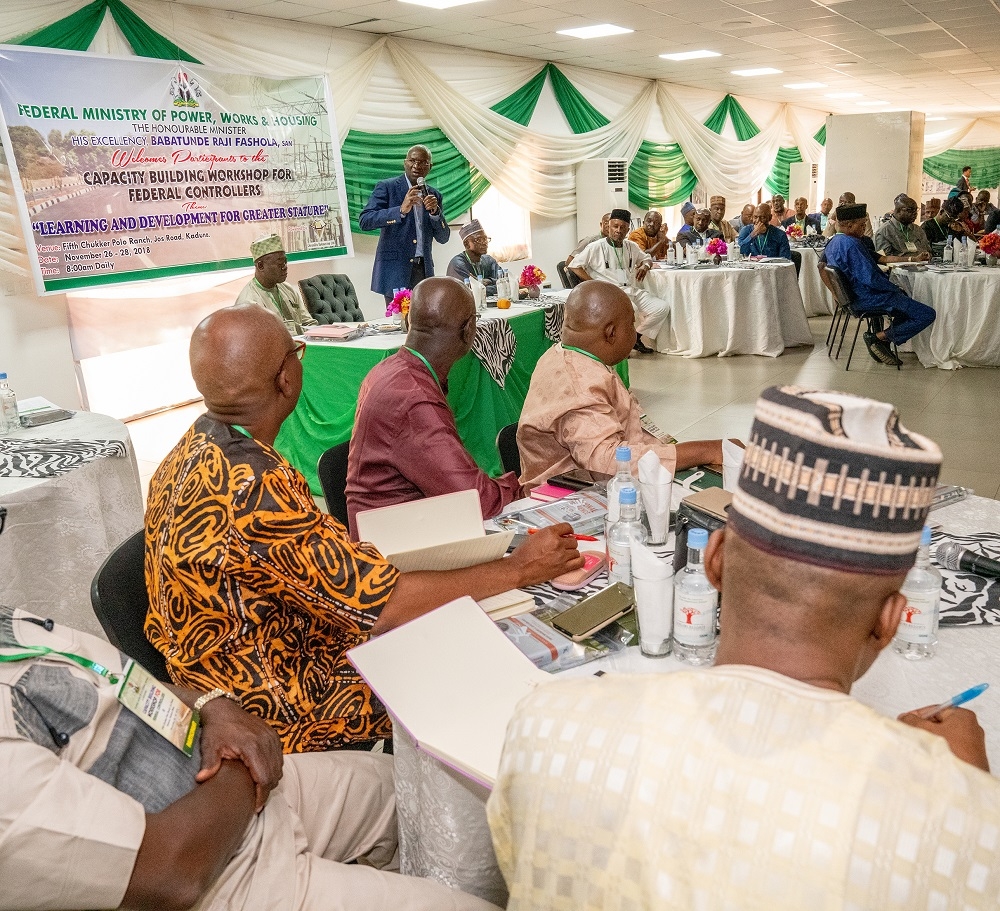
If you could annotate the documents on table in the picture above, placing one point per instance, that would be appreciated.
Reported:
(435, 533)
(456, 700)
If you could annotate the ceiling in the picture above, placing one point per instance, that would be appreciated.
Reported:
(938, 56)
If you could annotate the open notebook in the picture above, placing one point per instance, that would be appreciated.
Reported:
(452, 679)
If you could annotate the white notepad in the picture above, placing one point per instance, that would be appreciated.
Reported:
(456, 700)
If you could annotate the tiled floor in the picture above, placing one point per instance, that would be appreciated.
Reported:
(713, 397)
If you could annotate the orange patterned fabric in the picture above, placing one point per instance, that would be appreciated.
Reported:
(254, 590)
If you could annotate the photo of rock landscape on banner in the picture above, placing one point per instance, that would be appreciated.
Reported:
(177, 177)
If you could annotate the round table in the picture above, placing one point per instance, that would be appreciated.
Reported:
(816, 297)
(730, 309)
(966, 332)
(60, 529)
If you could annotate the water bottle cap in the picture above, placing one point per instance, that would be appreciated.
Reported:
(3, 376)
(697, 538)
(925, 536)
(626, 496)
(623, 454)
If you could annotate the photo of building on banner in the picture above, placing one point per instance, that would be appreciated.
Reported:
(127, 169)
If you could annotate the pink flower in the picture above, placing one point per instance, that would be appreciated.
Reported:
(793, 230)
(531, 277)
(990, 244)
(717, 247)
(400, 303)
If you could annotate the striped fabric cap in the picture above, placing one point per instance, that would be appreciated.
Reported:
(834, 480)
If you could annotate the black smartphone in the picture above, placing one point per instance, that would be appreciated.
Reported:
(46, 417)
(586, 617)
(579, 478)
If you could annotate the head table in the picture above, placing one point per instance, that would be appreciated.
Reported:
(739, 308)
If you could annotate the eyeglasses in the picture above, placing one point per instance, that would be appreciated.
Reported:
(298, 349)
(419, 162)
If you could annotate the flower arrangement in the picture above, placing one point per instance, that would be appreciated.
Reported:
(400, 303)
(717, 247)
(793, 231)
(990, 244)
(531, 277)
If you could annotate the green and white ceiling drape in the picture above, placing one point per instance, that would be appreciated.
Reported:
(394, 98)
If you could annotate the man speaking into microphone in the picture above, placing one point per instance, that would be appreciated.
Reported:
(408, 212)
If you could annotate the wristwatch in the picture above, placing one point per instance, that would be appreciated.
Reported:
(206, 698)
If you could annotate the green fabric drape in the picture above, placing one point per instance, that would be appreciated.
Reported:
(581, 115)
(659, 176)
(76, 32)
(947, 167)
(820, 135)
(743, 124)
(777, 180)
(521, 104)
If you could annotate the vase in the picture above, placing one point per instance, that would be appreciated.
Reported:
(404, 322)
(717, 259)
(991, 261)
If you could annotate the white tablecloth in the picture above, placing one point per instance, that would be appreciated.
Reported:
(727, 311)
(816, 297)
(442, 815)
(61, 529)
(966, 332)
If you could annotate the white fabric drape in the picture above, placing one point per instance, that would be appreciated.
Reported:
(936, 143)
(810, 150)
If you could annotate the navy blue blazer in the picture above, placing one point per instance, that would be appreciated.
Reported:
(397, 244)
(810, 220)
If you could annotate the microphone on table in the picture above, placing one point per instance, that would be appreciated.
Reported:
(951, 556)
(421, 187)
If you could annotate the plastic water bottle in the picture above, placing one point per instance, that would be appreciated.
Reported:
(671, 255)
(627, 529)
(948, 253)
(696, 606)
(9, 421)
(916, 637)
(623, 478)
(692, 254)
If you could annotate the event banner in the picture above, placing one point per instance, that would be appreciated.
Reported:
(129, 169)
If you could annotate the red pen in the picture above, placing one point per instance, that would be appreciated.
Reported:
(534, 531)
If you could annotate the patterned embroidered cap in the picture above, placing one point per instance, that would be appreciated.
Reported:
(687, 207)
(473, 227)
(834, 480)
(264, 245)
(714, 199)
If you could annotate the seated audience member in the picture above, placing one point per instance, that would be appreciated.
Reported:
(779, 211)
(900, 239)
(871, 287)
(589, 240)
(405, 444)
(801, 218)
(578, 410)
(251, 587)
(822, 217)
(620, 262)
(931, 208)
(945, 223)
(744, 218)
(761, 783)
(982, 209)
(97, 810)
(651, 236)
(474, 260)
(699, 233)
(717, 208)
(687, 213)
(993, 221)
(763, 238)
(846, 199)
(268, 288)
(965, 219)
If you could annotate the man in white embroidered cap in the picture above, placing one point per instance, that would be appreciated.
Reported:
(760, 783)
(268, 288)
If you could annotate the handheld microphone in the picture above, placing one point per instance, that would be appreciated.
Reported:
(951, 556)
(422, 187)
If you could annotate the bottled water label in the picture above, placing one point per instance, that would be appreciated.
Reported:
(694, 617)
(619, 564)
(919, 618)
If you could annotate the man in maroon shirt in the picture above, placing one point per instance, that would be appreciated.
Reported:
(405, 444)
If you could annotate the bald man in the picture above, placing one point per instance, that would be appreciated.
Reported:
(802, 219)
(762, 238)
(578, 411)
(252, 589)
(405, 444)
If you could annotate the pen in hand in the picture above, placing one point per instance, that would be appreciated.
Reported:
(963, 697)
(535, 531)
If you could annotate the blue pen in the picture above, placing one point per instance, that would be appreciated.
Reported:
(963, 697)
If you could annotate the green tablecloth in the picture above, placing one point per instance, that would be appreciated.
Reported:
(332, 377)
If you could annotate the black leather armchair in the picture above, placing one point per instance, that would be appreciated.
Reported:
(331, 299)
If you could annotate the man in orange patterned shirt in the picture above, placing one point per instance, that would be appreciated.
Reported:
(253, 589)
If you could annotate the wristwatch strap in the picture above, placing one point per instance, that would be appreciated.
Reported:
(206, 698)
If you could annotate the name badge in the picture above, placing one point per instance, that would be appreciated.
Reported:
(911, 247)
(650, 427)
(146, 697)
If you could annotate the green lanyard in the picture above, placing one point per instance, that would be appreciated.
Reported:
(242, 430)
(427, 364)
(278, 302)
(472, 266)
(37, 651)
(761, 242)
(618, 255)
(593, 357)
(905, 231)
